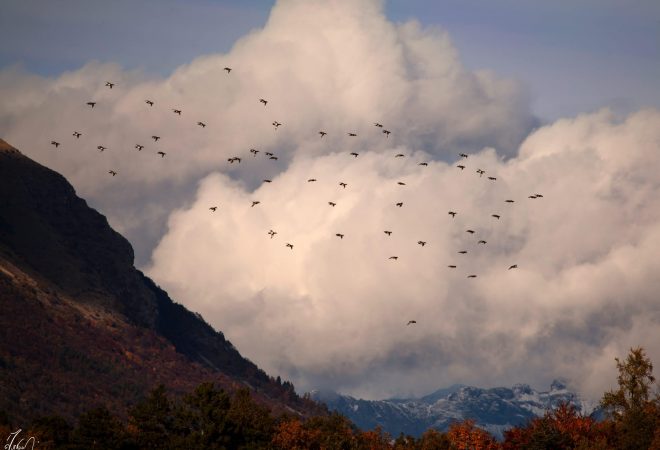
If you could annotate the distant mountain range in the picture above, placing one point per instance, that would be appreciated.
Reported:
(81, 327)
(494, 410)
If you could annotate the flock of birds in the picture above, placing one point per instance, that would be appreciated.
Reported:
(322, 133)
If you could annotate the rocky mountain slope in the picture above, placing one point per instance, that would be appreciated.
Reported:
(494, 409)
(80, 326)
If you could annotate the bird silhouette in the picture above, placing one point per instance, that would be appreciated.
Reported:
(276, 124)
(354, 154)
(462, 155)
(463, 252)
(55, 143)
(422, 243)
(272, 233)
(322, 133)
(268, 154)
(112, 172)
(273, 157)
(228, 69)
(149, 102)
(201, 124)
(509, 201)
(400, 204)
(451, 266)
(267, 181)
(213, 208)
(352, 134)
(255, 202)
(162, 154)
(538, 196)
(400, 155)
(481, 172)
(339, 235)
(497, 216)
(532, 196)
(393, 257)
(482, 242)
(380, 125)
(472, 276)
(254, 151)
(469, 231)
(77, 135)
(155, 138)
(139, 147)
(311, 180)
(177, 111)
(333, 204)
(460, 166)
(289, 245)
(514, 266)
(387, 132)
(400, 183)
(109, 84)
(423, 164)
(410, 322)
(342, 184)
(91, 104)
(452, 213)
(101, 148)
(492, 178)
(387, 232)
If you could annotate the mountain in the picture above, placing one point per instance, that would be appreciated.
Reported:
(494, 409)
(80, 326)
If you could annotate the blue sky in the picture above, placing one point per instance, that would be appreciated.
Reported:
(573, 56)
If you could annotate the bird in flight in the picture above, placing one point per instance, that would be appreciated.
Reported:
(469, 231)
(514, 266)
(235, 158)
(77, 135)
(481, 172)
(267, 181)
(311, 180)
(532, 196)
(162, 154)
(177, 111)
(109, 84)
(276, 124)
(393, 257)
(213, 208)
(462, 155)
(460, 166)
(155, 138)
(354, 154)
(322, 133)
(422, 243)
(452, 213)
(387, 232)
(272, 233)
(463, 252)
(352, 134)
(255, 202)
(149, 102)
(497, 216)
(333, 204)
(263, 101)
(410, 322)
(509, 201)
(55, 143)
(400, 183)
(201, 124)
(423, 164)
(451, 266)
(538, 196)
(400, 155)
(228, 69)
(289, 245)
(492, 178)
(273, 157)
(482, 242)
(387, 132)
(139, 147)
(254, 151)
(101, 148)
(400, 204)
(379, 125)
(91, 104)
(472, 276)
(342, 184)
(339, 235)
(268, 154)
(112, 172)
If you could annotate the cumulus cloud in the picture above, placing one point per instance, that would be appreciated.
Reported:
(331, 312)
(337, 66)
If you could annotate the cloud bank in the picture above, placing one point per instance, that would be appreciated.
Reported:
(331, 312)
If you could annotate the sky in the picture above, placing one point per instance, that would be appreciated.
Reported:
(558, 99)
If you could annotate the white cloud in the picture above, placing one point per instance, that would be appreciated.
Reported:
(332, 312)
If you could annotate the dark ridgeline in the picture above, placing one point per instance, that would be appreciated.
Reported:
(80, 325)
